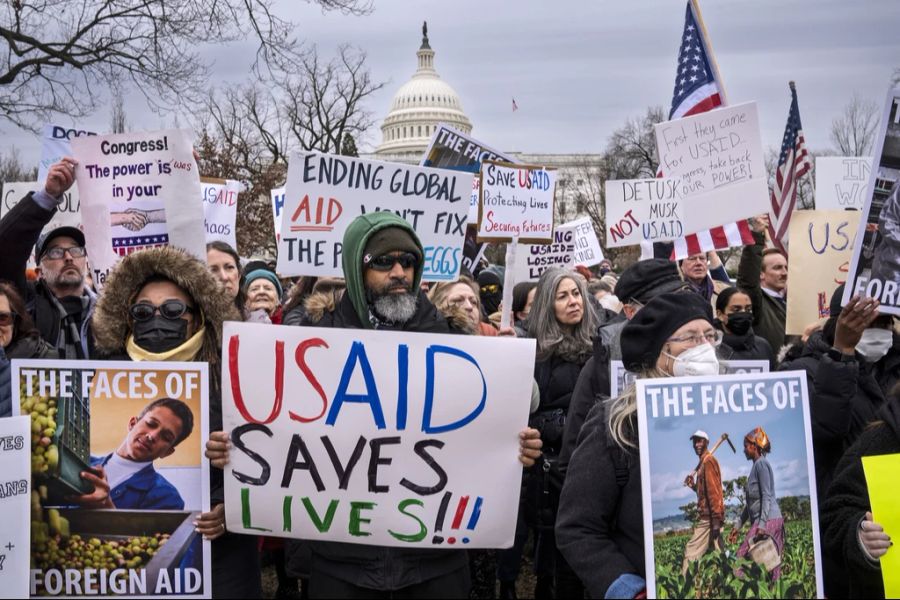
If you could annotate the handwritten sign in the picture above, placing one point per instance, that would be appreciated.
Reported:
(139, 190)
(326, 192)
(220, 202)
(55, 144)
(639, 210)
(574, 243)
(881, 478)
(143, 542)
(820, 259)
(842, 182)
(68, 211)
(875, 267)
(516, 202)
(620, 377)
(718, 159)
(669, 411)
(277, 195)
(15, 503)
(386, 438)
(587, 246)
(454, 150)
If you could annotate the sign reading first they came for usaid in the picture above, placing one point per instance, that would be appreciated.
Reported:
(374, 437)
(325, 192)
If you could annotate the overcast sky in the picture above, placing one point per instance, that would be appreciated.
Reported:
(578, 70)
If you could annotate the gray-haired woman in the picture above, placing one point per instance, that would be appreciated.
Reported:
(562, 321)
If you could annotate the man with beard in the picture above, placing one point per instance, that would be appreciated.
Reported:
(60, 302)
(382, 261)
(707, 483)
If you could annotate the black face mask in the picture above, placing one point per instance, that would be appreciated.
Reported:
(160, 334)
(739, 323)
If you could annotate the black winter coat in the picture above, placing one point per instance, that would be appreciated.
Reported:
(848, 501)
(746, 347)
(599, 527)
(843, 399)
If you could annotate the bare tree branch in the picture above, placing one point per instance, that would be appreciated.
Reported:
(853, 133)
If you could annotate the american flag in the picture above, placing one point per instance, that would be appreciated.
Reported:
(793, 163)
(698, 90)
(515, 106)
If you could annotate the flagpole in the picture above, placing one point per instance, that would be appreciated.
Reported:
(709, 51)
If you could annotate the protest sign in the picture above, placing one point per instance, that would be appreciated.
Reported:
(454, 150)
(139, 190)
(386, 438)
(574, 243)
(620, 378)
(821, 248)
(15, 496)
(516, 202)
(68, 212)
(109, 417)
(55, 145)
(779, 502)
(643, 210)
(881, 480)
(718, 159)
(326, 192)
(277, 210)
(842, 182)
(875, 267)
(220, 200)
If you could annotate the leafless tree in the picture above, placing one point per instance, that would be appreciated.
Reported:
(59, 57)
(853, 133)
(117, 118)
(12, 169)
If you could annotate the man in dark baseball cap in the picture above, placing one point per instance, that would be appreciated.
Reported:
(60, 302)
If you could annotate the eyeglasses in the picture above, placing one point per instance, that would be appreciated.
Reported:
(58, 252)
(491, 288)
(7, 318)
(170, 309)
(710, 337)
(386, 262)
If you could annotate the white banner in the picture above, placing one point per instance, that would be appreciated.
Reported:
(140, 190)
(277, 196)
(718, 158)
(384, 438)
(574, 243)
(220, 201)
(15, 505)
(516, 202)
(68, 212)
(326, 192)
(587, 246)
(55, 145)
(842, 181)
(643, 210)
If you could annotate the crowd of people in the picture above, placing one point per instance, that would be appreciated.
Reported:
(581, 484)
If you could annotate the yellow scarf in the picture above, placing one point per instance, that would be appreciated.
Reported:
(185, 352)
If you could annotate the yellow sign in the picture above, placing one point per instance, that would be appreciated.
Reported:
(881, 478)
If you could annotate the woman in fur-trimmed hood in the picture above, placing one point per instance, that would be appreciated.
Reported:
(113, 325)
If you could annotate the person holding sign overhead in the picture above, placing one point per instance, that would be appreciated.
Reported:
(600, 528)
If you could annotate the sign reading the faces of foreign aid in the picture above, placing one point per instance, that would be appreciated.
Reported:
(118, 477)
(728, 486)
(620, 377)
(138, 190)
(325, 192)
(374, 437)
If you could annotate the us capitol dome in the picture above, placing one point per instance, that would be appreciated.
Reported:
(418, 106)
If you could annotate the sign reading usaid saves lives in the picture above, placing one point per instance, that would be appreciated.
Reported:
(325, 192)
(374, 437)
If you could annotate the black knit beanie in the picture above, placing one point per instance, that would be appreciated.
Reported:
(644, 336)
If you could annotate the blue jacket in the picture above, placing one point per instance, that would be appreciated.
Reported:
(145, 490)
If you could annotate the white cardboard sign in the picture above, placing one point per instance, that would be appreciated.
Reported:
(644, 210)
(326, 192)
(384, 438)
(55, 145)
(15, 505)
(717, 157)
(516, 203)
(842, 181)
(574, 243)
(220, 202)
(139, 190)
(277, 196)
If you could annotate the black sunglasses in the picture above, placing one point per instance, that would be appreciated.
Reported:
(386, 262)
(7, 318)
(170, 309)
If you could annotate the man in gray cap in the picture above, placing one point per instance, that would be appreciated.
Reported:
(60, 302)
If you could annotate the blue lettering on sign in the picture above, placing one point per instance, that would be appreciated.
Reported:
(427, 426)
(441, 262)
(357, 355)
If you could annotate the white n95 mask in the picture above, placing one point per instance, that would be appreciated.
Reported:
(699, 360)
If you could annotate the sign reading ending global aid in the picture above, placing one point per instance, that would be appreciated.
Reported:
(326, 192)
(374, 437)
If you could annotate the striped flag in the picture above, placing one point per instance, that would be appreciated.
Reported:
(697, 90)
(793, 163)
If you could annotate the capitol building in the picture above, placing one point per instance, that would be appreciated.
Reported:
(427, 100)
